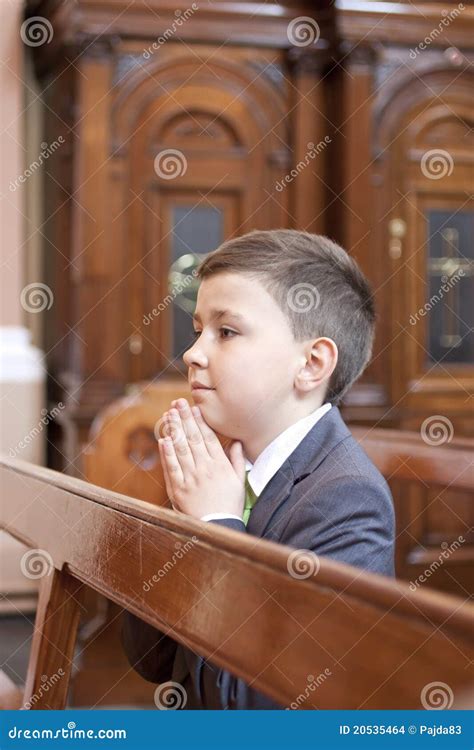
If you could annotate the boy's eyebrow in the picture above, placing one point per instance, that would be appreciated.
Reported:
(216, 314)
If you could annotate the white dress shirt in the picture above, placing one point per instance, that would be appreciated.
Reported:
(274, 456)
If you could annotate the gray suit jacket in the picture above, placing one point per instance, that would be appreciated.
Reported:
(327, 497)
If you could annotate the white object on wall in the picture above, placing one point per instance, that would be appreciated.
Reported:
(23, 422)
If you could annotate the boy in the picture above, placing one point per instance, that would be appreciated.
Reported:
(284, 325)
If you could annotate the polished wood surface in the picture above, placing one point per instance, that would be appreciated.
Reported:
(283, 627)
(405, 455)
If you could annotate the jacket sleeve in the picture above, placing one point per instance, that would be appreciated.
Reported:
(350, 520)
(149, 651)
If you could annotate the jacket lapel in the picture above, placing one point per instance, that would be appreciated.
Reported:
(304, 460)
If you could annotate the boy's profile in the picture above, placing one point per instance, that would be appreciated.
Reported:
(284, 325)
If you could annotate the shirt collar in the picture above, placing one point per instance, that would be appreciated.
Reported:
(275, 454)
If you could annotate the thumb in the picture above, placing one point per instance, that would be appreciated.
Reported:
(236, 456)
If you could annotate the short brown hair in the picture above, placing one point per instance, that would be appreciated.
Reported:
(317, 285)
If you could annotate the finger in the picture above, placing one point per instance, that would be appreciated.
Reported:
(173, 467)
(166, 477)
(193, 434)
(180, 444)
(211, 440)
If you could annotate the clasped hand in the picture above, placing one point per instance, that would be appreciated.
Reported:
(200, 478)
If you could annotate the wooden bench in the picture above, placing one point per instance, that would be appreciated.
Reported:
(378, 643)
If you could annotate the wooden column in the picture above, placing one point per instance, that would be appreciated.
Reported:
(311, 127)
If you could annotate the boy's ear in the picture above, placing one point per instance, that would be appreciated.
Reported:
(320, 362)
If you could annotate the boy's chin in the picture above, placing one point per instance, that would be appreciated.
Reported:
(219, 428)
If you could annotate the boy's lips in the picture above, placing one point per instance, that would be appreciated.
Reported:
(196, 385)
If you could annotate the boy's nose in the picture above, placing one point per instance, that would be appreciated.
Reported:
(194, 356)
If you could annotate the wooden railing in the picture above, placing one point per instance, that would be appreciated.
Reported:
(272, 618)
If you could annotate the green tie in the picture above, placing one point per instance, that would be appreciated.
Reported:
(250, 499)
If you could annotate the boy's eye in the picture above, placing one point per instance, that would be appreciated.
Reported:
(227, 330)
(223, 331)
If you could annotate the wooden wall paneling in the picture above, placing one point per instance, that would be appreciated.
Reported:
(311, 126)
(221, 126)
(411, 120)
(368, 399)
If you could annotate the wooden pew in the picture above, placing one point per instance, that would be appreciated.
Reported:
(381, 642)
(429, 552)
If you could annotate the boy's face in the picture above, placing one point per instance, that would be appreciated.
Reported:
(250, 363)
